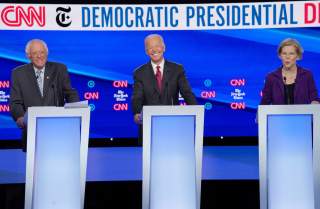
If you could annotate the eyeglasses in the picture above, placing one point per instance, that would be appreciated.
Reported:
(285, 54)
(38, 53)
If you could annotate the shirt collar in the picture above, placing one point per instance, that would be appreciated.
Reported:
(154, 66)
(36, 70)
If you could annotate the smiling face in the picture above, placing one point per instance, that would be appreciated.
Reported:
(155, 48)
(289, 56)
(38, 54)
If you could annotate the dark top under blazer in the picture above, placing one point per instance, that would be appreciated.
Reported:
(146, 91)
(305, 90)
(25, 92)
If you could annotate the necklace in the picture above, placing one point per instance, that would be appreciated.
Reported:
(289, 76)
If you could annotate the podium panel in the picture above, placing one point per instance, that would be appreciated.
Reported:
(290, 162)
(289, 156)
(56, 178)
(56, 157)
(173, 163)
(172, 156)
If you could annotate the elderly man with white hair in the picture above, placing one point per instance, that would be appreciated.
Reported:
(159, 81)
(38, 83)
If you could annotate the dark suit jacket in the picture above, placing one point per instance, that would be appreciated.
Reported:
(305, 90)
(25, 92)
(146, 91)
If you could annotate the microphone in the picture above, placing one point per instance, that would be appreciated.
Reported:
(286, 89)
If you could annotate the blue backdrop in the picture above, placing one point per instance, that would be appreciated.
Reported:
(226, 69)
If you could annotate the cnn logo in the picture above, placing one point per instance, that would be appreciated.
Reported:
(238, 82)
(238, 105)
(4, 84)
(120, 107)
(119, 84)
(14, 16)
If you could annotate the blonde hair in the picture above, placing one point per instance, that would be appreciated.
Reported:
(291, 42)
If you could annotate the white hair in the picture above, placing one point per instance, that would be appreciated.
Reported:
(27, 49)
(152, 36)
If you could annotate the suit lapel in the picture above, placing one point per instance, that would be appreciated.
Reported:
(166, 76)
(280, 81)
(47, 79)
(297, 83)
(32, 79)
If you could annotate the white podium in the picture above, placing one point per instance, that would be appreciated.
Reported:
(57, 148)
(172, 156)
(289, 156)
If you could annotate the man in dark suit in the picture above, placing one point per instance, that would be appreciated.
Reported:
(39, 83)
(159, 81)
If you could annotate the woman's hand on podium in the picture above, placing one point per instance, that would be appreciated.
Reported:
(138, 118)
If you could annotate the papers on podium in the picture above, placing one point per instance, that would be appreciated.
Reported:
(80, 104)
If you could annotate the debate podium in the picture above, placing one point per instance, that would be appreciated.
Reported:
(172, 156)
(289, 156)
(57, 147)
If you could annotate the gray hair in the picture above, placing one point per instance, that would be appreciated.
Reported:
(152, 36)
(27, 49)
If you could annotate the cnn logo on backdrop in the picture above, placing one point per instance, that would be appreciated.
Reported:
(16, 16)
(238, 82)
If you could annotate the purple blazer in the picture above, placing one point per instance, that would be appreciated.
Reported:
(305, 90)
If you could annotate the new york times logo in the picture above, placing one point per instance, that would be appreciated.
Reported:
(63, 19)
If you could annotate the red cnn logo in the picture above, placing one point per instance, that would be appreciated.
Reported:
(4, 108)
(208, 94)
(118, 84)
(120, 107)
(14, 16)
(91, 95)
(238, 105)
(238, 82)
(4, 84)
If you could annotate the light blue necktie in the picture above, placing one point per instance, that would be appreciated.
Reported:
(40, 80)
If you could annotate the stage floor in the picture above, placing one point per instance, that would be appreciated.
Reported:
(125, 164)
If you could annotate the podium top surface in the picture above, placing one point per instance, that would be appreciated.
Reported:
(57, 111)
(289, 109)
(174, 110)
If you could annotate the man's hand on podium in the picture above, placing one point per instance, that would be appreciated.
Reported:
(315, 102)
(138, 118)
(20, 122)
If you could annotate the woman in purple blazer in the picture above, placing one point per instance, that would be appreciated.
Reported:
(290, 84)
